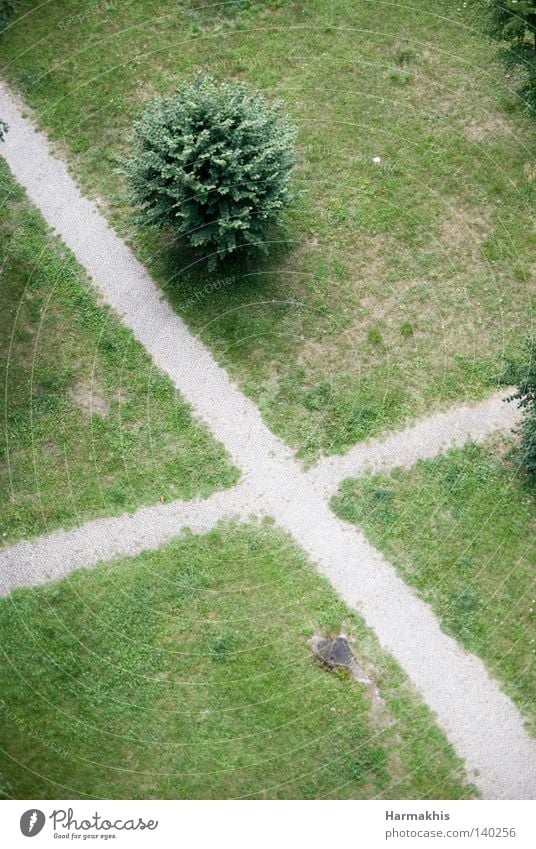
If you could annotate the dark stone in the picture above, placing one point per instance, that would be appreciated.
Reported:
(336, 652)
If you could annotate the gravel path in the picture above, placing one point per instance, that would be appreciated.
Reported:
(55, 555)
(423, 440)
(481, 722)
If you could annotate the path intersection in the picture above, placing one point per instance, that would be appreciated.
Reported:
(480, 721)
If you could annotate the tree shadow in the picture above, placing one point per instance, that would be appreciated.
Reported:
(245, 308)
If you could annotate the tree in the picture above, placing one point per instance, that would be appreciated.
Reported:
(514, 22)
(213, 161)
(526, 398)
(7, 8)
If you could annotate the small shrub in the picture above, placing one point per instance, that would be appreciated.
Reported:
(526, 399)
(221, 647)
(399, 77)
(375, 337)
(405, 56)
(214, 163)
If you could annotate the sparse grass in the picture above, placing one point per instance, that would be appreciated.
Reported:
(437, 236)
(90, 427)
(185, 673)
(461, 530)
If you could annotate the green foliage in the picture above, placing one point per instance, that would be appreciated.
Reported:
(514, 22)
(526, 398)
(212, 161)
(3, 130)
(4, 788)
(7, 8)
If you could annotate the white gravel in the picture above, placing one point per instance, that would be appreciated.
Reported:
(423, 440)
(480, 721)
(55, 555)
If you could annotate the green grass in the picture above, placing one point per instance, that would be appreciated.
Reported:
(461, 530)
(185, 673)
(397, 286)
(90, 427)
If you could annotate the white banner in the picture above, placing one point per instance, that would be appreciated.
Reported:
(270, 824)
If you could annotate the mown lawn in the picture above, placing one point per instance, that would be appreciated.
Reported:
(89, 426)
(185, 673)
(397, 286)
(461, 530)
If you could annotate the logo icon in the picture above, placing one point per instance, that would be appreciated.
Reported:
(31, 822)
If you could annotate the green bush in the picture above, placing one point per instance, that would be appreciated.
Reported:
(514, 23)
(526, 398)
(213, 162)
(7, 9)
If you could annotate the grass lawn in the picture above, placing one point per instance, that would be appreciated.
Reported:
(397, 286)
(186, 673)
(90, 427)
(461, 530)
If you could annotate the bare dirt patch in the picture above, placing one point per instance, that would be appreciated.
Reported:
(463, 230)
(479, 131)
(89, 399)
